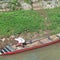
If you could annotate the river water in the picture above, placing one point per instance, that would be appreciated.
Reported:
(51, 52)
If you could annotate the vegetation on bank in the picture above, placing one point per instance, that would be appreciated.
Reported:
(20, 21)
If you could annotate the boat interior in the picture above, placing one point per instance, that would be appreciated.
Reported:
(31, 43)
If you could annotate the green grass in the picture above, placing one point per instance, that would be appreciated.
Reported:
(54, 17)
(20, 21)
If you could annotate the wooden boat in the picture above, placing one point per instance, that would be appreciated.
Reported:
(33, 44)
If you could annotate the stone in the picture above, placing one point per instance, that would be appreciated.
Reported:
(26, 6)
(34, 0)
(58, 35)
(54, 37)
(45, 40)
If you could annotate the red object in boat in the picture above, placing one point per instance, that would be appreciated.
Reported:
(31, 48)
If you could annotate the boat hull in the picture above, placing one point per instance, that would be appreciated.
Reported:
(30, 48)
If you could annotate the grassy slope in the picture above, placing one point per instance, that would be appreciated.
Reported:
(54, 16)
(19, 21)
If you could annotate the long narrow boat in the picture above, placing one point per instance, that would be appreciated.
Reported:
(33, 44)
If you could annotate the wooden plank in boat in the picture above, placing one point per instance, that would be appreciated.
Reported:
(37, 43)
(10, 48)
(7, 49)
(54, 37)
(14, 47)
(0, 53)
(19, 48)
(45, 40)
(3, 51)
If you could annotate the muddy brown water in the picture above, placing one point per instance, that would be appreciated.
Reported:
(51, 52)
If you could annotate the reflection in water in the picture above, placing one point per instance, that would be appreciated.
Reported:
(47, 53)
